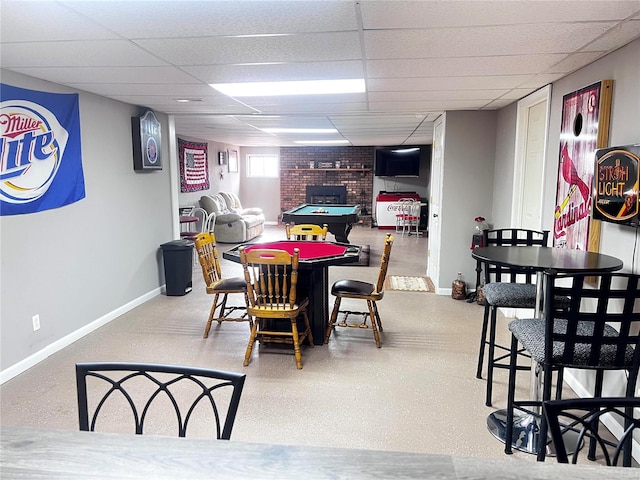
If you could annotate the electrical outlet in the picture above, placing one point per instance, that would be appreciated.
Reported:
(36, 322)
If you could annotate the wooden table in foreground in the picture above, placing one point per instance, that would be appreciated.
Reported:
(37, 453)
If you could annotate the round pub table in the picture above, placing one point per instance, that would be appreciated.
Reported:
(526, 425)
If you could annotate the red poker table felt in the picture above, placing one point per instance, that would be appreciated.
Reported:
(313, 273)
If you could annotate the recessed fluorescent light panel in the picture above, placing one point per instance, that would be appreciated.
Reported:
(321, 142)
(299, 130)
(306, 87)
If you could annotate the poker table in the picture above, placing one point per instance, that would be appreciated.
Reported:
(313, 273)
(339, 218)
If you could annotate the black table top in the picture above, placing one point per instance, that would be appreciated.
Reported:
(543, 258)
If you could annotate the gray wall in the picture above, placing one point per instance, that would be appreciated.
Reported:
(87, 261)
(623, 67)
(500, 214)
(467, 192)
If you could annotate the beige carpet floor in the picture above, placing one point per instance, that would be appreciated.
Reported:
(418, 393)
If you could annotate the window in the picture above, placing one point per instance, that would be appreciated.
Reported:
(263, 166)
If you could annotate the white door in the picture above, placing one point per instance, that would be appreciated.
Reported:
(531, 144)
(435, 200)
(531, 213)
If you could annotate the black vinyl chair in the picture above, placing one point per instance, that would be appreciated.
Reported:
(598, 331)
(505, 287)
(583, 416)
(156, 393)
(360, 290)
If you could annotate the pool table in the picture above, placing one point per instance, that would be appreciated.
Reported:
(313, 273)
(339, 218)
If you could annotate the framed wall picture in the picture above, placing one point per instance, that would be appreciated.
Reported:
(222, 158)
(584, 129)
(233, 160)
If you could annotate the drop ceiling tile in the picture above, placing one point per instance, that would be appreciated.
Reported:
(102, 75)
(165, 19)
(238, 50)
(447, 83)
(497, 104)
(516, 94)
(481, 41)
(87, 53)
(177, 90)
(179, 109)
(465, 66)
(405, 14)
(47, 21)
(620, 35)
(543, 79)
(573, 62)
(339, 69)
(301, 100)
(435, 95)
(426, 105)
(324, 108)
(290, 121)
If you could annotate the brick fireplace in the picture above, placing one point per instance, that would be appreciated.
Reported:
(350, 169)
(336, 194)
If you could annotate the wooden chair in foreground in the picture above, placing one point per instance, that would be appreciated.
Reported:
(218, 286)
(583, 416)
(305, 231)
(271, 277)
(150, 395)
(361, 291)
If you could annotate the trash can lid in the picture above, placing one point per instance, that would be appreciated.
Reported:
(177, 245)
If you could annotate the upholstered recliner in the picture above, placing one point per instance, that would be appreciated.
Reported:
(233, 224)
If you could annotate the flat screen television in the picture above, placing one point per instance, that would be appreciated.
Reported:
(615, 188)
(401, 161)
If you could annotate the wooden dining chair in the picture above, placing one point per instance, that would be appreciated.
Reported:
(356, 289)
(156, 397)
(306, 231)
(271, 277)
(598, 331)
(218, 286)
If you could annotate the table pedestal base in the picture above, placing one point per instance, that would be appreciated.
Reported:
(526, 432)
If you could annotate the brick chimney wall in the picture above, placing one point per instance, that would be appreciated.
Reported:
(355, 172)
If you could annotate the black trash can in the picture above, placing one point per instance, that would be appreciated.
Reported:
(178, 255)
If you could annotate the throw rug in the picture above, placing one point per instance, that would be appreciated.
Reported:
(409, 284)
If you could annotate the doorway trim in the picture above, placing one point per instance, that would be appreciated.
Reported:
(522, 128)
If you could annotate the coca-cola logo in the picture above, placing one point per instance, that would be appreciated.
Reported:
(31, 148)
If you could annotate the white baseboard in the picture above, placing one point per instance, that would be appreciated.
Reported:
(23, 365)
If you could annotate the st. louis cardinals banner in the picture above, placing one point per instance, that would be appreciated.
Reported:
(194, 166)
(40, 151)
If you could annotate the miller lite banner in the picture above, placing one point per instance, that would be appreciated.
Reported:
(40, 151)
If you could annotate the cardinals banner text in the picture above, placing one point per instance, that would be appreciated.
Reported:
(578, 144)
